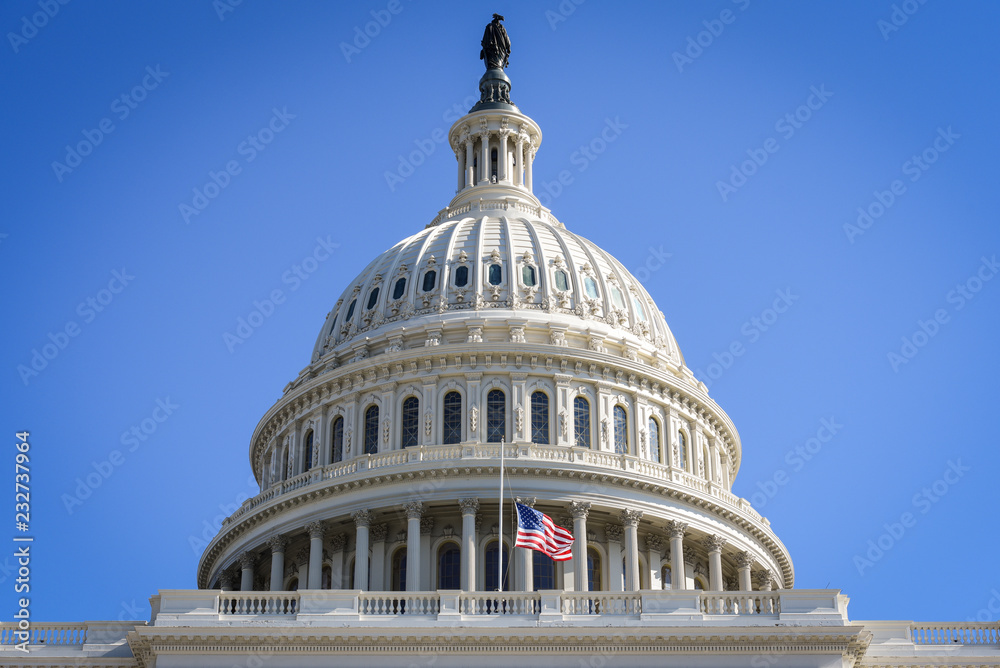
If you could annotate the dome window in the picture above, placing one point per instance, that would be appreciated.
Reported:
(371, 430)
(372, 298)
(590, 285)
(528, 275)
(411, 422)
(461, 277)
(621, 431)
(350, 310)
(430, 278)
(452, 418)
(562, 282)
(616, 297)
(337, 449)
(654, 440)
(682, 450)
(496, 416)
(540, 418)
(495, 274)
(399, 288)
(581, 422)
(638, 309)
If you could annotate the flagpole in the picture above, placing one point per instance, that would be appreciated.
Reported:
(500, 546)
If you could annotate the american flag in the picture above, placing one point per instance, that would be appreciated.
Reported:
(537, 531)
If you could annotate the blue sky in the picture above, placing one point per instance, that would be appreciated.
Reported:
(749, 134)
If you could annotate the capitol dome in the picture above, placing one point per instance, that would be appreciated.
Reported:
(495, 330)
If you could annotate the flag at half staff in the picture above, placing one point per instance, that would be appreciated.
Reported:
(537, 531)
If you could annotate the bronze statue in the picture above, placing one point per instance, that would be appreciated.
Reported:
(496, 45)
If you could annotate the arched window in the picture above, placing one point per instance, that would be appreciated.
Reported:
(449, 567)
(283, 463)
(371, 430)
(581, 422)
(452, 418)
(399, 288)
(699, 584)
(665, 577)
(399, 570)
(544, 571)
(540, 418)
(410, 422)
(372, 298)
(621, 431)
(430, 278)
(682, 450)
(293, 584)
(496, 416)
(562, 281)
(490, 565)
(308, 451)
(594, 570)
(350, 311)
(337, 446)
(495, 275)
(461, 276)
(654, 440)
(528, 275)
(590, 287)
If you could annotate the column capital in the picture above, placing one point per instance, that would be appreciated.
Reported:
(426, 525)
(762, 579)
(744, 559)
(362, 518)
(526, 501)
(315, 529)
(629, 517)
(413, 509)
(277, 544)
(676, 529)
(248, 559)
(469, 506)
(338, 542)
(714, 543)
(654, 543)
(613, 532)
(579, 509)
(379, 532)
(226, 580)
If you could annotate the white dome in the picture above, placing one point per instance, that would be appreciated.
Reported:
(498, 266)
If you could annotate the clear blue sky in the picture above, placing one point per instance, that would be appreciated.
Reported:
(879, 97)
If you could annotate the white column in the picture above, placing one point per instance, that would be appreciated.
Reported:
(426, 563)
(519, 162)
(654, 557)
(362, 519)
(470, 167)
(460, 159)
(226, 581)
(530, 158)
(315, 531)
(247, 561)
(376, 537)
(613, 533)
(744, 561)
(580, 510)
(414, 509)
(469, 508)
(714, 545)
(676, 529)
(484, 157)
(337, 561)
(763, 580)
(302, 564)
(502, 157)
(630, 519)
(277, 545)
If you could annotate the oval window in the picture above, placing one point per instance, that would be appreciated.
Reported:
(590, 285)
(528, 275)
(372, 298)
(430, 278)
(399, 289)
(561, 281)
(461, 276)
(495, 275)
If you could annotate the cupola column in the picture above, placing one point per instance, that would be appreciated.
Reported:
(763, 579)
(469, 508)
(414, 510)
(247, 561)
(226, 581)
(502, 171)
(277, 545)
(744, 561)
(315, 531)
(530, 158)
(470, 162)
(613, 533)
(714, 545)
(460, 158)
(484, 156)
(519, 160)
(676, 531)
(362, 519)
(630, 519)
(580, 510)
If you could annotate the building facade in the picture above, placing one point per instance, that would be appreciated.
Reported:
(494, 334)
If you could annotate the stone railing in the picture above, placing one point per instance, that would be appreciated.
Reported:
(205, 607)
(949, 633)
(44, 634)
(522, 452)
(508, 203)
